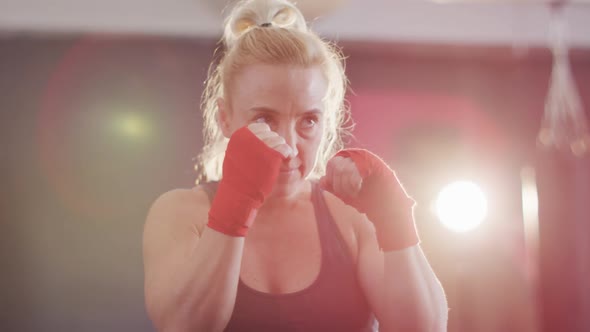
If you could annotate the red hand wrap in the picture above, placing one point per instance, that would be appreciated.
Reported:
(250, 170)
(383, 200)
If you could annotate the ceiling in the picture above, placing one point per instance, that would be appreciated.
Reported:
(521, 23)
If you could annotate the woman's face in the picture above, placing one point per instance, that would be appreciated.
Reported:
(289, 100)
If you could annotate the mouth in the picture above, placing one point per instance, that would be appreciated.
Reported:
(288, 169)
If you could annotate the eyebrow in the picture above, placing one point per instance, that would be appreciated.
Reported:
(263, 109)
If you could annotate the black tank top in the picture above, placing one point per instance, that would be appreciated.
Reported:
(333, 302)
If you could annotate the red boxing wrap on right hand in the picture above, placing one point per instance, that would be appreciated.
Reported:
(250, 170)
(383, 200)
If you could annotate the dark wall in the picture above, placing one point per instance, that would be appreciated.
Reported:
(93, 129)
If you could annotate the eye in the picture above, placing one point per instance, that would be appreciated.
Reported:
(263, 118)
(309, 121)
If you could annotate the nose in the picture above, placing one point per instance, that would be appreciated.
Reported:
(289, 133)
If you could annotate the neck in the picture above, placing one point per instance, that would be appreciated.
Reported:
(281, 201)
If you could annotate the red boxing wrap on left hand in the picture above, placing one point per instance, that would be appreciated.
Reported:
(250, 170)
(383, 200)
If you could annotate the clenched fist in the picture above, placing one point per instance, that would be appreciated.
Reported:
(364, 181)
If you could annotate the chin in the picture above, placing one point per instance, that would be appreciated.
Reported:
(288, 184)
(283, 191)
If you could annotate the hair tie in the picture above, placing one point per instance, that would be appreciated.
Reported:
(266, 25)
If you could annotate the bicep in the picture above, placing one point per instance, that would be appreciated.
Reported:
(171, 233)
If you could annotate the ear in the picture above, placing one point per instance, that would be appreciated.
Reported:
(223, 117)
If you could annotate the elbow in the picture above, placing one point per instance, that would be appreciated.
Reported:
(440, 311)
(431, 316)
(194, 319)
(433, 321)
(440, 320)
(434, 318)
(424, 318)
(422, 322)
(205, 313)
(416, 323)
(194, 325)
(433, 311)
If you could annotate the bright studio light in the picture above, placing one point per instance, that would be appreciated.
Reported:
(461, 206)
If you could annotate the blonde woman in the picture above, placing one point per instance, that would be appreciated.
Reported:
(284, 233)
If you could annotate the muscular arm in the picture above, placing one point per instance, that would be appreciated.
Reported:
(191, 271)
(400, 286)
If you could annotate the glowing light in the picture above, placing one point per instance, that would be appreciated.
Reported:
(530, 199)
(461, 206)
(131, 125)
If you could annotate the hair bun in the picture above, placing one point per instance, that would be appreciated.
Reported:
(248, 14)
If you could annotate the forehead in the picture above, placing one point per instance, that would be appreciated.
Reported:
(278, 86)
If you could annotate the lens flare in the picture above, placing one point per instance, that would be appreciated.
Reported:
(461, 206)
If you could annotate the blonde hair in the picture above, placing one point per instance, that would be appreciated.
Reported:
(270, 32)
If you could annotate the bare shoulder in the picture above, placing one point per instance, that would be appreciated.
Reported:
(175, 211)
(354, 226)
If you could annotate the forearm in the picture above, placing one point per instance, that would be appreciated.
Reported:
(410, 297)
(413, 295)
(204, 286)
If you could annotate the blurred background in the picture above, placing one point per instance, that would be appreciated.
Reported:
(478, 106)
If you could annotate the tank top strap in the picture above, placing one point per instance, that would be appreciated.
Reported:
(210, 189)
(334, 247)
